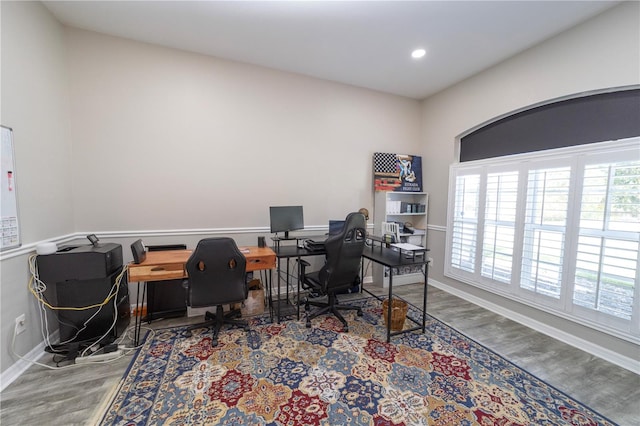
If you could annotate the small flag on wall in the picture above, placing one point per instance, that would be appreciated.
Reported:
(397, 172)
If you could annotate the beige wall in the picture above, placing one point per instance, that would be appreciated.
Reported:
(165, 139)
(34, 98)
(35, 104)
(601, 53)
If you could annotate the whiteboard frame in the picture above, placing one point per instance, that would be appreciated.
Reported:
(12, 200)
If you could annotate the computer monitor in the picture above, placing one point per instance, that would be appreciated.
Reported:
(285, 219)
(335, 226)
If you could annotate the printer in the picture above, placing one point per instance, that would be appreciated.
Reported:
(80, 262)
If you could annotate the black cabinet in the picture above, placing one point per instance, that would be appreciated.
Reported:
(82, 276)
(166, 299)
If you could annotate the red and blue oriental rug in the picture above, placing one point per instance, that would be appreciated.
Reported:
(286, 374)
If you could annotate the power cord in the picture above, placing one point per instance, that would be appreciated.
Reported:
(87, 359)
(37, 287)
(58, 367)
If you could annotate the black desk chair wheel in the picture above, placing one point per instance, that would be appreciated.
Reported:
(216, 272)
(340, 272)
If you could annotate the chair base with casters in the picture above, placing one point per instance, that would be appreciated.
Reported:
(217, 321)
(331, 306)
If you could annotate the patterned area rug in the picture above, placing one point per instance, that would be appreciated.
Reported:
(286, 374)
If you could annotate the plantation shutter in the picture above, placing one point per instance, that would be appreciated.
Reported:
(499, 225)
(465, 222)
(608, 238)
(544, 230)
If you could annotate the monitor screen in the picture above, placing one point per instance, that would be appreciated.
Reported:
(335, 226)
(285, 219)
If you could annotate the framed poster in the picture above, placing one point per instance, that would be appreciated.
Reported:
(8, 199)
(397, 172)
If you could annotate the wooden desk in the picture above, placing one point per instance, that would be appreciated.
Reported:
(171, 264)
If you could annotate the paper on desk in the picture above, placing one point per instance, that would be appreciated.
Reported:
(407, 246)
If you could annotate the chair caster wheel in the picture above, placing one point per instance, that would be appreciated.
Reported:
(345, 329)
(308, 325)
(247, 328)
(214, 343)
(188, 334)
(359, 313)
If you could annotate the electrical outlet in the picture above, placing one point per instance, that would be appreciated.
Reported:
(21, 324)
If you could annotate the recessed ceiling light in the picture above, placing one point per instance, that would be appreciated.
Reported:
(418, 53)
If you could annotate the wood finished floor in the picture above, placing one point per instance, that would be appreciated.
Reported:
(72, 397)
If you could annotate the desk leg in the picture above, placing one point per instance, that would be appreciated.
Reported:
(278, 301)
(424, 301)
(298, 296)
(288, 278)
(137, 318)
(269, 281)
(389, 305)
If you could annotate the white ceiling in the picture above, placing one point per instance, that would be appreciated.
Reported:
(361, 43)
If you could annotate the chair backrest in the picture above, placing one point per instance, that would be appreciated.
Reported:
(216, 272)
(344, 251)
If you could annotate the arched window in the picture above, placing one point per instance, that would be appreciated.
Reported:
(550, 221)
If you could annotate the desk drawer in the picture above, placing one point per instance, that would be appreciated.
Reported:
(170, 271)
(260, 263)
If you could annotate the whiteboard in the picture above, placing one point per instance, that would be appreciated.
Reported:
(8, 197)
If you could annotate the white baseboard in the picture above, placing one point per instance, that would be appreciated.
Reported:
(14, 371)
(589, 347)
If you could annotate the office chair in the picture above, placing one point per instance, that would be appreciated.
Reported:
(340, 271)
(216, 272)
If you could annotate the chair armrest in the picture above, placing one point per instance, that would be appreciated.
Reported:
(303, 264)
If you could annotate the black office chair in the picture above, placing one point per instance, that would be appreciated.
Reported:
(216, 272)
(340, 271)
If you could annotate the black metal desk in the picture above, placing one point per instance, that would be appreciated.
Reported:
(376, 251)
(379, 253)
(289, 252)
